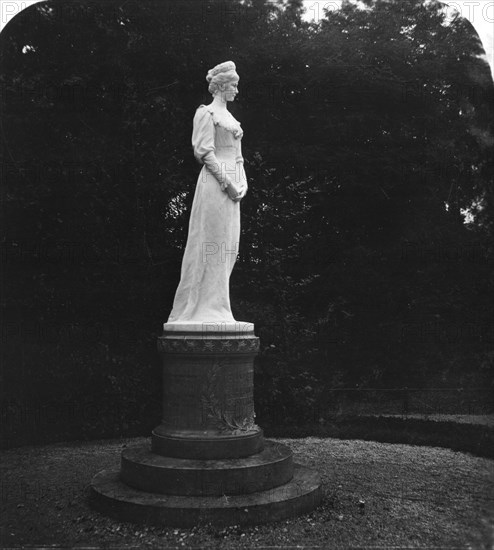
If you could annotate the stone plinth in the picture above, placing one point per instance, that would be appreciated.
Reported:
(208, 460)
(208, 393)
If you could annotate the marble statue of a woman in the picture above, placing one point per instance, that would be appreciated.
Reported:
(202, 296)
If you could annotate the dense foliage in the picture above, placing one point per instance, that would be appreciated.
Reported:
(368, 135)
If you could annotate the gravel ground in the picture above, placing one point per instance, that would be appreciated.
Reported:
(376, 495)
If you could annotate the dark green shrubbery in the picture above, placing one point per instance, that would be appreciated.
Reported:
(358, 131)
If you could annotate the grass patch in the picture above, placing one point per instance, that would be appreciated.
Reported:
(375, 495)
(473, 438)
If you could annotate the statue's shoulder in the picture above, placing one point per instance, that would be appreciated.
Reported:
(207, 108)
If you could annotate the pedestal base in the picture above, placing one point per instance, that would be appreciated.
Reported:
(147, 471)
(208, 461)
(114, 498)
(206, 446)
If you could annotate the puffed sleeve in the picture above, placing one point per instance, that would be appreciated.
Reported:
(204, 149)
(202, 133)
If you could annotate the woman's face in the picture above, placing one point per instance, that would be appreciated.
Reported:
(230, 90)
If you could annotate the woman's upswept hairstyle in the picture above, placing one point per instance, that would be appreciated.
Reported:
(220, 75)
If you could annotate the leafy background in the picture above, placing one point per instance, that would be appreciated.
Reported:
(367, 138)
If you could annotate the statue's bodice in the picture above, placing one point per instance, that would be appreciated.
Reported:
(228, 135)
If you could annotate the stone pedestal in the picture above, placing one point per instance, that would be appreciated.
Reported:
(208, 461)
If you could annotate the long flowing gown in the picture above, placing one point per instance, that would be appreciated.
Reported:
(214, 227)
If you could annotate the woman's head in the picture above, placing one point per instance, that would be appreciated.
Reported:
(222, 78)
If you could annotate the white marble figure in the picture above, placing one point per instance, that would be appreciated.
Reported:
(202, 296)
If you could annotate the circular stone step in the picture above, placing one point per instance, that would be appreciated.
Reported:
(300, 495)
(147, 471)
